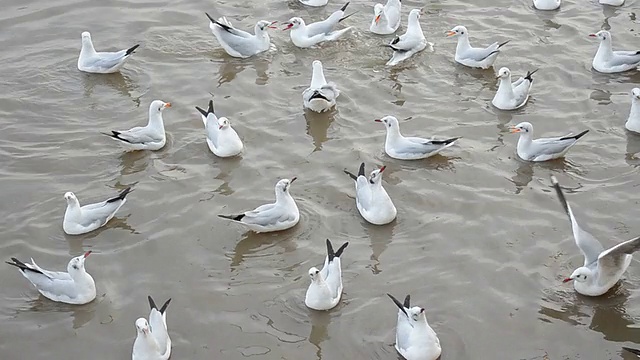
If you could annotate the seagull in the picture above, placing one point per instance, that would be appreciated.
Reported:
(602, 268)
(320, 96)
(314, 3)
(222, 139)
(633, 122)
(75, 286)
(372, 201)
(609, 61)
(153, 341)
(101, 62)
(304, 36)
(546, 4)
(611, 2)
(325, 289)
(415, 339)
(410, 148)
(542, 149)
(511, 96)
(83, 219)
(239, 43)
(409, 43)
(280, 215)
(150, 137)
(474, 57)
(633, 351)
(386, 18)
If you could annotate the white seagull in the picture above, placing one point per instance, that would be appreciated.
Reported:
(410, 148)
(633, 121)
(152, 341)
(239, 43)
(101, 62)
(222, 139)
(314, 3)
(608, 61)
(304, 36)
(474, 57)
(386, 18)
(372, 200)
(542, 149)
(325, 289)
(546, 4)
(320, 96)
(280, 215)
(409, 43)
(611, 2)
(75, 286)
(150, 137)
(415, 339)
(83, 219)
(602, 268)
(631, 350)
(511, 96)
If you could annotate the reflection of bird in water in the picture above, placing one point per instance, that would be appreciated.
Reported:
(319, 333)
(379, 240)
(318, 125)
(633, 148)
(230, 68)
(253, 243)
(122, 83)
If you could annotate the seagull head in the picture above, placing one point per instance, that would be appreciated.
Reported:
(264, 24)
(142, 326)
(389, 121)
(417, 314)
(602, 35)
(377, 12)
(504, 73)
(415, 14)
(635, 93)
(457, 31)
(223, 123)
(376, 175)
(158, 105)
(77, 263)
(293, 23)
(523, 127)
(70, 198)
(314, 274)
(581, 274)
(86, 36)
(283, 185)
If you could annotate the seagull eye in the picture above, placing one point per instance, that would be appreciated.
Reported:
(75, 267)
(317, 271)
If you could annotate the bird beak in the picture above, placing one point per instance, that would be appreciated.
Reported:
(270, 26)
(451, 33)
(377, 19)
(377, 120)
(514, 130)
(382, 168)
(87, 253)
(566, 280)
(593, 35)
(167, 105)
(288, 26)
(292, 179)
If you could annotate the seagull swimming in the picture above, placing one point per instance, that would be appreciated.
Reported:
(239, 43)
(410, 148)
(83, 219)
(542, 149)
(75, 286)
(602, 268)
(325, 289)
(633, 121)
(511, 96)
(222, 139)
(150, 137)
(101, 62)
(304, 36)
(280, 215)
(152, 341)
(415, 339)
(546, 4)
(386, 18)
(372, 200)
(320, 96)
(314, 3)
(409, 43)
(474, 57)
(608, 61)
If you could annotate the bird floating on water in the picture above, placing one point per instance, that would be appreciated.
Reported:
(512, 96)
(386, 18)
(608, 61)
(304, 36)
(633, 121)
(152, 339)
(149, 137)
(542, 149)
(222, 139)
(372, 200)
(415, 339)
(239, 43)
(101, 62)
(320, 96)
(410, 148)
(409, 43)
(83, 219)
(325, 289)
(467, 55)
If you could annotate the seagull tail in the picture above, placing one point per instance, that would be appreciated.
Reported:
(131, 49)
(346, 17)
(503, 44)
(575, 136)
(22, 266)
(341, 249)
(445, 142)
(361, 170)
(116, 135)
(344, 7)
(232, 217)
(398, 303)
(121, 196)
(152, 305)
(330, 253)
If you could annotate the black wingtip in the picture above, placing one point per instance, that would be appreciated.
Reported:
(344, 7)
(631, 350)
(232, 217)
(116, 135)
(560, 194)
(164, 306)
(225, 27)
(341, 249)
(398, 304)
(210, 109)
(201, 111)
(444, 142)
(20, 265)
(503, 44)
(330, 253)
(348, 16)
(211, 19)
(132, 49)
(407, 301)
(152, 304)
(581, 134)
(120, 196)
(529, 73)
(361, 170)
(350, 175)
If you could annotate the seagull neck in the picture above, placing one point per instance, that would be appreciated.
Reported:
(463, 43)
(414, 24)
(604, 50)
(155, 120)
(505, 88)
(634, 114)
(87, 48)
(283, 196)
(317, 79)
(525, 139)
(73, 207)
(393, 134)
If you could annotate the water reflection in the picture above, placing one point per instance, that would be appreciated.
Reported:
(133, 162)
(76, 242)
(633, 147)
(319, 323)
(465, 75)
(122, 83)
(231, 67)
(379, 239)
(253, 243)
(524, 173)
(318, 125)
(80, 314)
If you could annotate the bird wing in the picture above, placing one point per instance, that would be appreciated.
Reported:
(267, 214)
(137, 135)
(550, 146)
(99, 212)
(392, 9)
(325, 26)
(363, 192)
(158, 328)
(624, 58)
(212, 129)
(612, 260)
(405, 42)
(53, 275)
(479, 54)
(106, 59)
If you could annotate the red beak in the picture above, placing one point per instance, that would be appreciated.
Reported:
(382, 168)
(219, 127)
(289, 26)
(567, 280)
(87, 253)
(377, 120)
(292, 179)
(271, 25)
(593, 35)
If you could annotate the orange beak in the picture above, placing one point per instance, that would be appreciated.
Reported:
(167, 105)
(514, 130)
(451, 33)
(377, 19)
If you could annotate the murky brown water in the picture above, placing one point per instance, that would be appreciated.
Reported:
(480, 240)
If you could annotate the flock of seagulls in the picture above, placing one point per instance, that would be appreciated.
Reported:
(415, 339)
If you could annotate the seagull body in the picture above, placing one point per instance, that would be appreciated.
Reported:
(239, 43)
(474, 57)
(511, 96)
(222, 139)
(542, 149)
(611, 2)
(83, 219)
(410, 148)
(546, 4)
(280, 215)
(325, 289)
(415, 339)
(314, 3)
(320, 96)
(304, 36)
(608, 61)
(386, 18)
(602, 268)
(633, 122)
(150, 137)
(152, 340)
(101, 62)
(409, 43)
(372, 200)
(75, 286)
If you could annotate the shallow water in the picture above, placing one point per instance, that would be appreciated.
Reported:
(480, 241)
